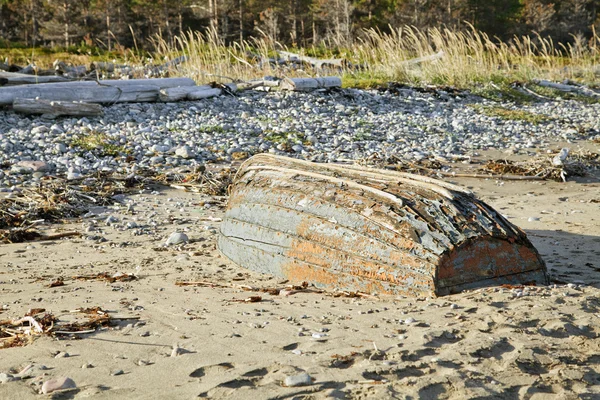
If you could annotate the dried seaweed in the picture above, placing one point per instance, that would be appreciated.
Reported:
(210, 182)
(21, 332)
(105, 276)
(96, 318)
(577, 164)
(55, 199)
(27, 234)
(38, 322)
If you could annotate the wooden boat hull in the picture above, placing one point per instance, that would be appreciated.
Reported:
(360, 229)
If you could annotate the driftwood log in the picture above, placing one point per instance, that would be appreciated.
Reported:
(315, 62)
(351, 228)
(307, 84)
(16, 78)
(193, 92)
(567, 88)
(56, 108)
(106, 91)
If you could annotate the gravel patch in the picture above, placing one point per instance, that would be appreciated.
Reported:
(344, 125)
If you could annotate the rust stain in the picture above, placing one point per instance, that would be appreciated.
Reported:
(298, 272)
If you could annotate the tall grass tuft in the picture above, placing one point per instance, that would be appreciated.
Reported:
(471, 58)
(210, 59)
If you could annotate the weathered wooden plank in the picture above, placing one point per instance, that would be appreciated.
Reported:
(106, 91)
(281, 265)
(182, 92)
(87, 94)
(15, 78)
(56, 108)
(277, 225)
(371, 223)
(357, 229)
(567, 88)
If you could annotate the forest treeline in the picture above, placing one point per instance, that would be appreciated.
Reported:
(110, 23)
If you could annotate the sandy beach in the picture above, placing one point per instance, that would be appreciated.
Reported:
(232, 333)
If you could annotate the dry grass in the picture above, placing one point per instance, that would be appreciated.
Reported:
(471, 58)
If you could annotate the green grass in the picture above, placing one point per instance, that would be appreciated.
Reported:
(502, 92)
(285, 137)
(212, 129)
(98, 143)
(508, 114)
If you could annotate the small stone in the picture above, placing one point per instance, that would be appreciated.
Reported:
(117, 372)
(533, 219)
(409, 321)
(60, 148)
(72, 175)
(303, 379)
(4, 378)
(60, 383)
(176, 238)
(61, 354)
(34, 166)
(111, 220)
(184, 152)
(87, 365)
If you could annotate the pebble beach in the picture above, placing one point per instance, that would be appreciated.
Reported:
(343, 126)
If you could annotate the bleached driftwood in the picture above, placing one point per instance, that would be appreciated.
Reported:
(174, 62)
(70, 71)
(566, 88)
(29, 69)
(56, 108)
(107, 91)
(315, 62)
(88, 94)
(16, 78)
(163, 69)
(528, 92)
(306, 84)
(204, 94)
(257, 83)
(419, 60)
(180, 92)
(194, 92)
(108, 67)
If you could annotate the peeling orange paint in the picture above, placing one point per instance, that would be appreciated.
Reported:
(394, 236)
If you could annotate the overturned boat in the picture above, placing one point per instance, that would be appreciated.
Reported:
(351, 228)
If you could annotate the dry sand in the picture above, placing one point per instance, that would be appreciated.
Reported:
(492, 343)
